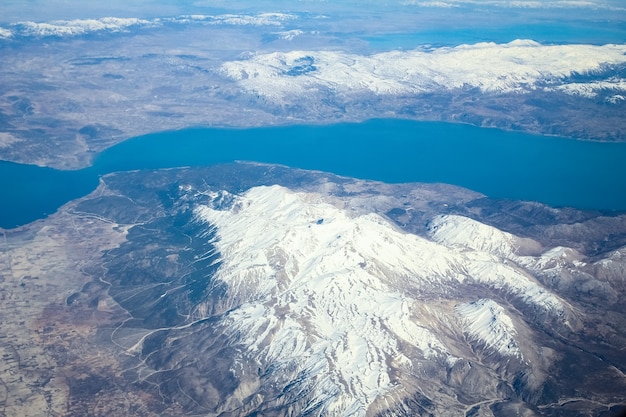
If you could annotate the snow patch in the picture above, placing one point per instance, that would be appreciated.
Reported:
(5, 33)
(615, 99)
(592, 89)
(289, 34)
(487, 322)
(453, 230)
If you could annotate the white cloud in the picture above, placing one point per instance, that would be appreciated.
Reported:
(516, 67)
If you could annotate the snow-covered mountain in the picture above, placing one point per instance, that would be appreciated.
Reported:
(77, 27)
(520, 66)
(341, 310)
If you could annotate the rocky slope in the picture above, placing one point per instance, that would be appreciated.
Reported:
(246, 289)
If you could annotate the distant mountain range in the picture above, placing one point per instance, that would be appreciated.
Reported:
(521, 66)
(78, 27)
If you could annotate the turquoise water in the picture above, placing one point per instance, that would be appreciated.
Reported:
(556, 171)
(554, 32)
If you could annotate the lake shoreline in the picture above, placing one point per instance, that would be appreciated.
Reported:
(553, 170)
(66, 165)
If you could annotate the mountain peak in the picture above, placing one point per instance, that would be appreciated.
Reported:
(342, 306)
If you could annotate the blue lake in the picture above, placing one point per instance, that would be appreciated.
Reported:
(553, 32)
(553, 170)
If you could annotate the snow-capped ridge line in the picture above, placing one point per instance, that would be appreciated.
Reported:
(455, 230)
(487, 322)
(519, 66)
(77, 27)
